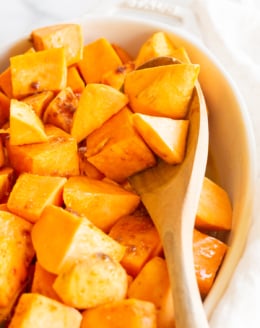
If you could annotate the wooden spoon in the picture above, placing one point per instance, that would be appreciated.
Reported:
(171, 194)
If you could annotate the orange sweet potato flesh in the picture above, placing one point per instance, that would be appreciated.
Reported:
(117, 150)
(139, 314)
(33, 72)
(6, 182)
(101, 202)
(32, 193)
(134, 232)
(57, 157)
(4, 108)
(39, 101)
(74, 80)
(208, 254)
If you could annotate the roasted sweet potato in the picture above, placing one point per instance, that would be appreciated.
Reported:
(6, 182)
(74, 80)
(39, 101)
(35, 311)
(73, 238)
(4, 108)
(6, 82)
(101, 202)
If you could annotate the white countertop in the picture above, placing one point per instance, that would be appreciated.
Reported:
(19, 17)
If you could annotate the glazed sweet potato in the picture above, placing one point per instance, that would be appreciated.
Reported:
(58, 156)
(128, 313)
(39, 101)
(6, 182)
(91, 282)
(35, 311)
(67, 36)
(165, 136)
(74, 80)
(134, 232)
(117, 150)
(32, 193)
(99, 57)
(33, 72)
(25, 126)
(6, 83)
(73, 238)
(98, 102)
(101, 202)
(16, 254)
(4, 108)
(162, 90)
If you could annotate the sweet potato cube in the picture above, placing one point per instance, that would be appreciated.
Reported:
(34, 72)
(6, 82)
(165, 136)
(208, 255)
(101, 202)
(116, 77)
(16, 254)
(86, 168)
(122, 53)
(117, 150)
(162, 90)
(98, 102)
(35, 311)
(158, 44)
(68, 36)
(91, 282)
(215, 209)
(2, 154)
(4, 108)
(58, 156)
(25, 126)
(128, 313)
(140, 237)
(73, 238)
(152, 284)
(99, 57)
(32, 193)
(39, 101)
(6, 182)
(42, 282)
(74, 80)
(61, 109)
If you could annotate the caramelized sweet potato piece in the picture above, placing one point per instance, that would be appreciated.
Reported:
(32, 193)
(98, 102)
(42, 282)
(117, 150)
(215, 209)
(116, 77)
(128, 313)
(68, 36)
(58, 156)
(74, 80)
(162, 90)
(4, 108)
(101, 202)
(61, 109)
(141, 239)
(165, 136)
(6, 82)
(208, 255)
(25, 126)
(99, 57)
(39, 101)
(122, 53)
(73, 239)
(6, 182)
(91, 282)
(34, 72)
(16, 254)
(34, 311)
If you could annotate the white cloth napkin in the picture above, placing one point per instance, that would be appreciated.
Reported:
(231, 30)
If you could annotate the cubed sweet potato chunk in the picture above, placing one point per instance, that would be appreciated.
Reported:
(98, 102)
(215, 209)
(99, 57)
(32, 193)
(128, 313)
(34, 72)
(208, 255)
(6, 182)
(141, 239)
(123, 54)
(116, 77)
(117, 150)
(91, 282)
(74, 80)
(39, 101)
(6, 82)
(16, 254)
(165, 136)
(42, 282)
(58, 156)
(4, 108)
(73, 238)
(101, 202)
(35, 311)
(152, 284)
(68, 36)
(162, 90)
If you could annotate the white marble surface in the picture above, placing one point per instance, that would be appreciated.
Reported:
(19, 17)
